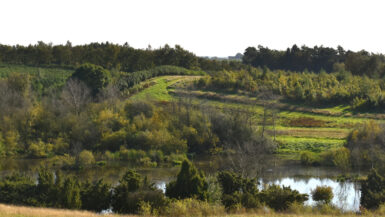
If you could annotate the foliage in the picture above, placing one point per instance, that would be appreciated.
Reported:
(95, 77)
(132, 191)
(85, 158)
(95, 196)
(308, 88)
(323, 194)
(373, 190)
(280, 198)
(316, 59)
(367, 145)
(190, 183)
(238, 190)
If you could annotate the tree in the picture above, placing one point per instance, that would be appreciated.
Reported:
(96, 197)
(190, 183)
(95, 77)
(238, 190)
(76, 95)
(130, 182)
(373, 190)
(71, 194)
(133, 191)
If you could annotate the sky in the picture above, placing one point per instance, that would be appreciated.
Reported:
(204, 27)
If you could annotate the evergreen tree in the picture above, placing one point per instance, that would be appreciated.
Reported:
(71, 194)
(373, 190)
(95, 77)
(189, 183)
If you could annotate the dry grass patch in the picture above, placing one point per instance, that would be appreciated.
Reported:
(21, 211)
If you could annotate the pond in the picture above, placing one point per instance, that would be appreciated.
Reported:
(298, 177)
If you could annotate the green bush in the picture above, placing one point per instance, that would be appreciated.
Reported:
(132, 191)
(373, 190)
(95, 197)
(280, 198)
(238, 190)
(309, 158)
(190, 183)
(85, 158)
(322, 194)
(95, 77)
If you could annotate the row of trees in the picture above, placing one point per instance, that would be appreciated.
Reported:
(316, 59)
(109, 55)
(310, 88)
(134, 193)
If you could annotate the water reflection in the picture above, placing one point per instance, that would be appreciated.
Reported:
(303, 179)
(346, 194)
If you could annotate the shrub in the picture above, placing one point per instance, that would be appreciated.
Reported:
(308, 158)
(373, 191)
(85, 158)
(190, 183)
(71, 194)
(95, 77)
(238, 191)
(132, 191)
(322, 194)
(96, 197)
(40, 149)
(280, 198)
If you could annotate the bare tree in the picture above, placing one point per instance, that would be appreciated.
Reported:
(76, 95)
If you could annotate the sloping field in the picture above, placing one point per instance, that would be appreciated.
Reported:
(297, 128)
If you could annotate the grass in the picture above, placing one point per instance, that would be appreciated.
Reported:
(290, 144)
(160, 90)
(297, 128)
(20, 211)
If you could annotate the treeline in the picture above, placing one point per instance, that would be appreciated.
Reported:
(340, 87)
(108, 55)
(316, 59)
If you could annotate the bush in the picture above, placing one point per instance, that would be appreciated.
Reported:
(280, 198)
(373, 191)
(132, 191)
(190, 183)
(322, 194)
(238, 191)
(95, 77)
(40, 149)
(96, 197)
(308, 158)
(85, 158)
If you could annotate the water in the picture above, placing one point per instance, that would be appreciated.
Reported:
(303, 179)
(346, 194)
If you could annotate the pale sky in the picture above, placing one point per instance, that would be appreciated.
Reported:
(205, 27)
